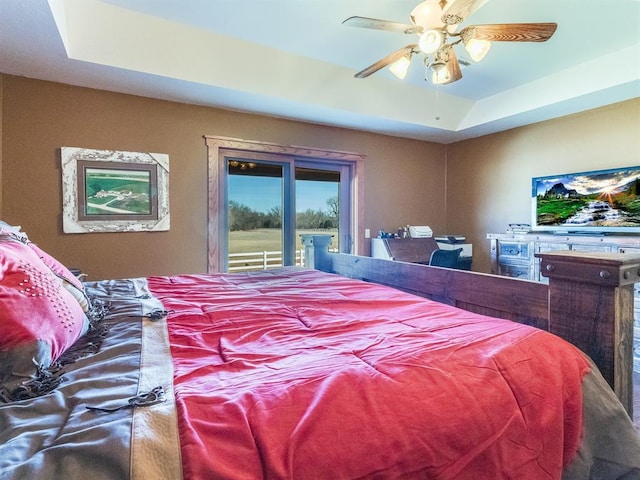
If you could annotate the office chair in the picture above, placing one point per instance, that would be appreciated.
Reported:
(445, 258)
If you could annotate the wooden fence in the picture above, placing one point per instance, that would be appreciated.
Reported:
(260, 260)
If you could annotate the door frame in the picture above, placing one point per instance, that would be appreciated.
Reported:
(218, 147)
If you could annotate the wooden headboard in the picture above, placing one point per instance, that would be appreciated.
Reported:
(588, 301)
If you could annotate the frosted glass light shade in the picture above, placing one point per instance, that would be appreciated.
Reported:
(430, 41)
(400, 67)
(427, 14)
(440, 73)
(477, 49)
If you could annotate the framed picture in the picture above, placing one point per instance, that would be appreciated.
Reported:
(114, 191)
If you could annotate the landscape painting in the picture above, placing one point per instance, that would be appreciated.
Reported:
(114, 191)
(607, 199)
(110, 191)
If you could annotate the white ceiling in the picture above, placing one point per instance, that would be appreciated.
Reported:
(294, 59)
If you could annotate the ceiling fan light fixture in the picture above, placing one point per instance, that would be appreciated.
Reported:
(430, 41)
(400, 67)
(439, 73)
(477, 49)
(436, 22)
(427, 14)
(452, 22)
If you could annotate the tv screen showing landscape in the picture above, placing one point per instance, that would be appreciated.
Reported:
(599, 201)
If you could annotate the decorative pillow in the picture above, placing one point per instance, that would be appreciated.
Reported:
(39, 318)
(68, 279)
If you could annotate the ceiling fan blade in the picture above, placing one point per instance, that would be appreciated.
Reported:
(453, 66)
(511, 32)
(388, 60)
(463, 8)
(386, 25)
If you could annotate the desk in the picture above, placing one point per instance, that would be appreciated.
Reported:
(412, 250)
(417, 250)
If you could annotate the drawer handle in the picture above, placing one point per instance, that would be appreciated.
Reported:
(550, 267)
(605, 274)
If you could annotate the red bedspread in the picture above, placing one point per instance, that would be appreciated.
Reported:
(305, 375)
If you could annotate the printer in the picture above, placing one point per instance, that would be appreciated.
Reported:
(420, 231)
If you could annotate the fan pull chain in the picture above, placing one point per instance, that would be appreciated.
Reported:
(437, 117)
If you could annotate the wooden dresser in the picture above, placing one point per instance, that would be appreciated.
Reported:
(513, 254)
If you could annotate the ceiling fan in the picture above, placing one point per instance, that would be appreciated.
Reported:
(436, 23)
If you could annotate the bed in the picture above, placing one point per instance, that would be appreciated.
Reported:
(287, 373)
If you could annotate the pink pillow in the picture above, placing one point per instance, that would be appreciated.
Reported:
(39, 318)
(69, 280)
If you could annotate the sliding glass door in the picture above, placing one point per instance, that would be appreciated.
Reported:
(271, 201)
(262, 196)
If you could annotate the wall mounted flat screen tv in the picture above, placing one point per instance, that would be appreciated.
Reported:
(603, 201)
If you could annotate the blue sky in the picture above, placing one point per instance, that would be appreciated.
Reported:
(589, 183)
(263, 193)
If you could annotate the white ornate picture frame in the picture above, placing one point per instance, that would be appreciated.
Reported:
(114, 191)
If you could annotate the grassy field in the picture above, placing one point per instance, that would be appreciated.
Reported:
(554, 211)
(269, 239)
(117, 181)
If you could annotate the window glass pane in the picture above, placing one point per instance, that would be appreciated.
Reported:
(270, 203)
(317, 203)
(254, 215)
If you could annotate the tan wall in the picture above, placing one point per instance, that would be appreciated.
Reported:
(404, 179)
(489, 178)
